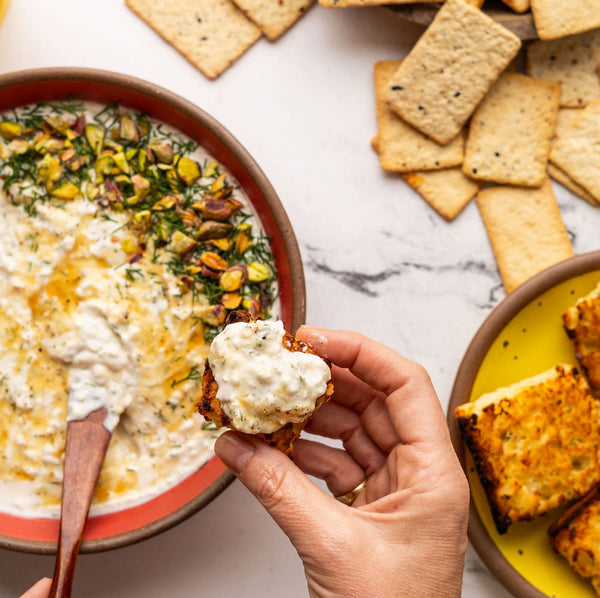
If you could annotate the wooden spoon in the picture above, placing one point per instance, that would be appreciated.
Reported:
(87, 441)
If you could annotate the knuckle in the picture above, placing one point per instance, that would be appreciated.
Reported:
(270, 487)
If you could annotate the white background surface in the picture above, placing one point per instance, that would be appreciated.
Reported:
(377, 258)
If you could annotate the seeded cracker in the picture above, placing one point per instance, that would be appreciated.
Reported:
(211, 34)
(566, 181)
(518, 5)
(447, 191)
(511, 132)
(558, 18)
(274, 17)
(344, 3)
(525, 229)
(566, 118)
(576, 150)
(450, 69)
(401, 147)
(571, 61)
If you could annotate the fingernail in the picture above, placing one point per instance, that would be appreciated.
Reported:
(234, 451)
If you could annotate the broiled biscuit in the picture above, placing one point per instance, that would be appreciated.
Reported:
(576, 536)
(535, 443)
(582, 323)
(215, 409)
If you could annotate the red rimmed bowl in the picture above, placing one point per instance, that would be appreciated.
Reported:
(130, 525)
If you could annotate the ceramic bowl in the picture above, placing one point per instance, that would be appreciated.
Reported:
(108, 531)
(522, 336)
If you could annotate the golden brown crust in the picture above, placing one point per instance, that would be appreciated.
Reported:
(582, 323)
(535, 445)
(210, 406)
(575, 536)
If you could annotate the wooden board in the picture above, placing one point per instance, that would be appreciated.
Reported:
(423, 14)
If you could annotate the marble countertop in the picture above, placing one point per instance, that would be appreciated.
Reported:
(377, 258)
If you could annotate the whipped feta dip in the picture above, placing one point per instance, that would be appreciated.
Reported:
(94, 314)
(262, 386)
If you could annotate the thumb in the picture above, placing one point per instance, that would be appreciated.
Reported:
(299, 507)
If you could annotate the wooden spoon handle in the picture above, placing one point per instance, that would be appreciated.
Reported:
(87, 441)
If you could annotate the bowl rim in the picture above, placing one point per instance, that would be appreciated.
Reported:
(491, 327)
(275, 207)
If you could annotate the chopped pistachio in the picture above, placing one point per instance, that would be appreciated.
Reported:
(181, 243)
(121, 162)
(211, 229)
(173, 180)
(215, 209)
(104, 164)
(258, 272)
(214, 315)
(211, 169)
(142, 220)
(231, 300)
(166, 203)
(66, 191)
(233, 278)
(188, 170)
(49, 171)
(128, 129)
(164, 153)
(218, 183)
(10, 130)
(213, 260)
(141, 185)
(223, 244)
(16, 146)
(142, 156)
(95, 137)
(243, 240)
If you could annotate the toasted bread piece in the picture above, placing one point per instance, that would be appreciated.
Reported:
(210, 406)
(576, 536)
(582, 323)
(534, 443)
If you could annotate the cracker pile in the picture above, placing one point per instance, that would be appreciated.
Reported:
(456, 121)
(213, 34)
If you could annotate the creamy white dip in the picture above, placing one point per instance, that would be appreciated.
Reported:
(82, 326)
(262, 386)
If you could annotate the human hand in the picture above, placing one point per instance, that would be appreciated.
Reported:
(405, 535)
(40, 590)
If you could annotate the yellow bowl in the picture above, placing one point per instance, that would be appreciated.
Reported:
(522, 337)
(3, 7)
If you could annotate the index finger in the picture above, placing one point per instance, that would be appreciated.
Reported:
(413, 405)
(40, 590)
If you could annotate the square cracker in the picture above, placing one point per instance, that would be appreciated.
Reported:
(401, 147)
(440, 83)
(558, 18)
(518, 5)
(344, 3)
(571, 61)
(511, 132)
(274, 17)
(447, 191)
(566, 181)
(211, 34)
(576, 149)
(525, 229)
